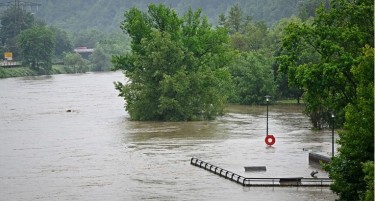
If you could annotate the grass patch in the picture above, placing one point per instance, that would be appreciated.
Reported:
(16, 72)
(26, 71)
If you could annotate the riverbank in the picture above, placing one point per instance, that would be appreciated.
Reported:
(16, 72)
(26, 71)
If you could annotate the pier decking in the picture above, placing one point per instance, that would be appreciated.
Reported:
(263, 182)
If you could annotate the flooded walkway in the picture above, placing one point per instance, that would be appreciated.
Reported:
(93, 152)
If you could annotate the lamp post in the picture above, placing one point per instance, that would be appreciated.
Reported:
(267, 100)
(270, 139)
(333, 136)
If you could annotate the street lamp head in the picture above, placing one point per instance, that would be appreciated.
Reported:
(267, 98)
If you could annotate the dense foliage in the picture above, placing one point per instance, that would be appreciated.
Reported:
(255, 72)
(178, 67)
(332, 60)
(350, 168)
(62, 41)
(17, 26)
(37, 47)
(74, 63)
(319, 57)
(31, 41)
(252, 77)
(13, 21)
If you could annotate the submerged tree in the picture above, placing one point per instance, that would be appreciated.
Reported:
(177, 69)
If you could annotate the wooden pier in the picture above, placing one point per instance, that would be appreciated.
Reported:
(262, 182)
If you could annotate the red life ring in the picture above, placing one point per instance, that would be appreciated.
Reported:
(270, 140)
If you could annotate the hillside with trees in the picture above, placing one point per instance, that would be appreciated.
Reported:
(106, 15)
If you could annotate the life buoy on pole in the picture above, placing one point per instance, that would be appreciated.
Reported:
(270, 140)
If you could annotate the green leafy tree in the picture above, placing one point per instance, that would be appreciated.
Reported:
(13, 21)
(273, 42)
(253, 36)
(235, 19)
(75, 63)
(318, 57)
(62, 42)
(307, 8)
(252, 74)
(114, 44)
(37, 48)
(100, 60)
(368, 169)
(350, 175)
(177, 69)
(252, 77)
(339, 78)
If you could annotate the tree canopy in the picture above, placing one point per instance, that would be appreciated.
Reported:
(178, 67)
(37, 48)
(13, 21)
(319, 56)
(332, 60)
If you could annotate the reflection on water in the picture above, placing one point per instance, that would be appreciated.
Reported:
(93, 152)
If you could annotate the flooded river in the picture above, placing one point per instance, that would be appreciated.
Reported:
(67, 137)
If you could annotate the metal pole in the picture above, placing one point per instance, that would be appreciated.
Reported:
(267, 99)
(267, 117)
(333, 135)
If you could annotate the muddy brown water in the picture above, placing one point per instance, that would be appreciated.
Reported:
(67, 137)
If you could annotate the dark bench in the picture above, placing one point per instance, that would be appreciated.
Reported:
(255, 168)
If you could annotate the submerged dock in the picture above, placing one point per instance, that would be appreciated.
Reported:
(262, 182)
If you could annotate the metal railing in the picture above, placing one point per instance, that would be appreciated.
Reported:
(219, 171)
(265, 182)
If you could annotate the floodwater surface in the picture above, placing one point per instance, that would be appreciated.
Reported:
(67, 137)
